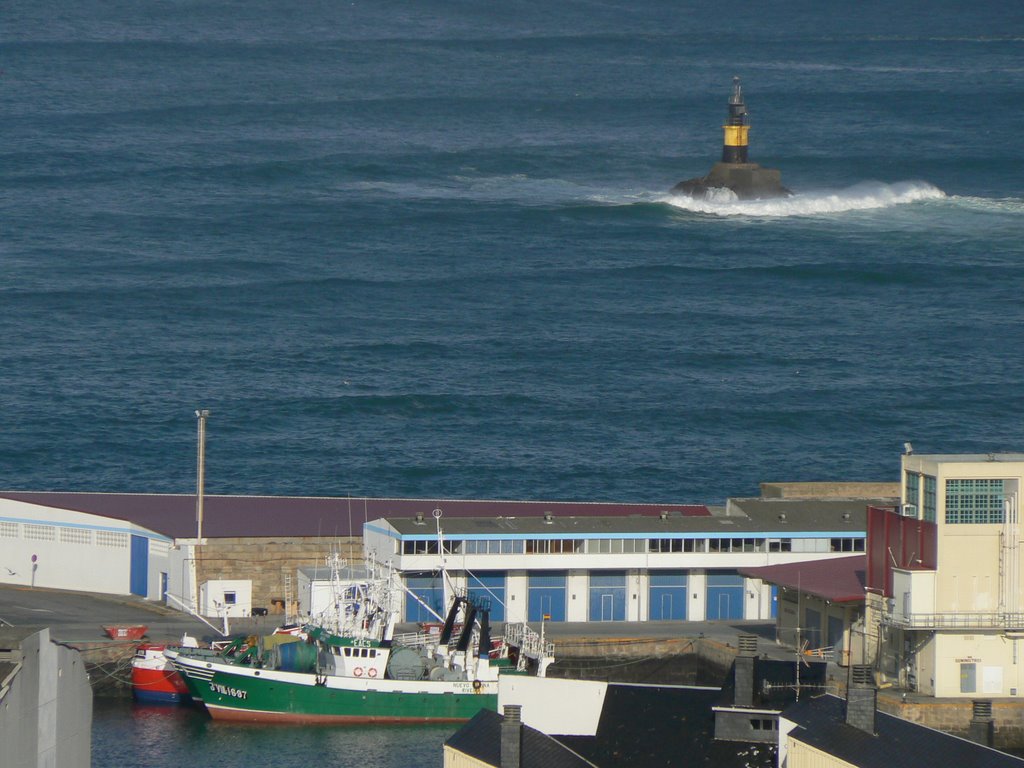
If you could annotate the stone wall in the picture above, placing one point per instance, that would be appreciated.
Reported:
(830, 490)
(267, 562)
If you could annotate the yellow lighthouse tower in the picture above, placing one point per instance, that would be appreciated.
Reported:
(735, 172)
(734, 146)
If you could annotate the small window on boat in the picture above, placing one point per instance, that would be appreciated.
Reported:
(363, 652)
(348, 651)
(373, 653)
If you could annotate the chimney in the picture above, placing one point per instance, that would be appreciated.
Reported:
(743, 675)
(861, 698)
(982, 727)
(511, 736)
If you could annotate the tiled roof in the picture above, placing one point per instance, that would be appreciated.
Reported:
(821, 723)
(839, 579)
(174, 515)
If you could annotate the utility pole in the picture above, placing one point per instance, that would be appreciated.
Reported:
(201, 415)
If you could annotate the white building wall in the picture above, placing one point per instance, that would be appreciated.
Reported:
(577, 596)
(516, 596)
(215, 602)
(697, 586)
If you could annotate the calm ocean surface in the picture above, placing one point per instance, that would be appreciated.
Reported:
(426, 249)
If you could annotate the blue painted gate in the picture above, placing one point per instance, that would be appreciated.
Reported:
(547, 597)
(668, 596)
(138, 581)
(489, 588)
(725, 595)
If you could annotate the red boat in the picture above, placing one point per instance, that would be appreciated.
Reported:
(126, 632)
(154, 680)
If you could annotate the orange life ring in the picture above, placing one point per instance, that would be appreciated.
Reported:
(358, 671)
(371, 672)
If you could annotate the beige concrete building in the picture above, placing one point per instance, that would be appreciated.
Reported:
(945, 578)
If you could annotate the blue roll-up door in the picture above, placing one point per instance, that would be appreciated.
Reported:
(725, 595)
(668, 596)
(546, 597)
(139, 579)
(430, 590)
(607, 596)
(488, 588)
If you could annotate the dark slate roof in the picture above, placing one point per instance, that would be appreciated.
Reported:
(839, 579)
(651, 726)
(480, 738)
(809, 514)
(174, 515)
(821, 723)
(842, 517)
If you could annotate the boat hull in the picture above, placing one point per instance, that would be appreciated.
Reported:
(155, 681)
(245, 694)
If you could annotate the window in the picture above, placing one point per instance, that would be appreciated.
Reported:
(40, 532)
(846, 545)
(8, 530)
(929, 498)
(230, 598)
(912, 488)
(419, 547)
(974, 501)
(780, 545)
(111, 539)
(75, 536)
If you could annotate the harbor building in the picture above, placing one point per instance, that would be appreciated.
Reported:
(944, 577)
(658, 566)
(65, 548)
(820, 606)
(570, 561)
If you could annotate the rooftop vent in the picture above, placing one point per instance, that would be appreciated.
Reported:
(419, 519)
(782, 516)
(846, 516)
(548, 517)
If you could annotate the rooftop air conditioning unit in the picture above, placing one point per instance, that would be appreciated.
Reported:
(909, 510)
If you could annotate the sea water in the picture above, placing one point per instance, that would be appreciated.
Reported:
(427, 249)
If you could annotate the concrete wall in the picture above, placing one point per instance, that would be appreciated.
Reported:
(830, 490)
(46, 714)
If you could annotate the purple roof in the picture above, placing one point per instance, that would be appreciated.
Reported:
(174, 515)
(840, 579)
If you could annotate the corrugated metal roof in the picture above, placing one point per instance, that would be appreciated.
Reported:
(264, 516)
(839, 579)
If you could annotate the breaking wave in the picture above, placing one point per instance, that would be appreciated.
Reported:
(861, 197)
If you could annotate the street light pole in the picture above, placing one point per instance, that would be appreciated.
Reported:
(201, 415)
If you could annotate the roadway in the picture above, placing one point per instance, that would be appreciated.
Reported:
(79, 617)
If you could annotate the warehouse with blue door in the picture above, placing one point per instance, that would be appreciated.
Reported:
(680, 565)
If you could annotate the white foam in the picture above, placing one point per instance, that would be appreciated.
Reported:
(861, 197)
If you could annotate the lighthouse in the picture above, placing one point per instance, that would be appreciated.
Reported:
(748, 181)
(734, 145)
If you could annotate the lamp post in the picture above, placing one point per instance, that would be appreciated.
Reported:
(201, 415)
